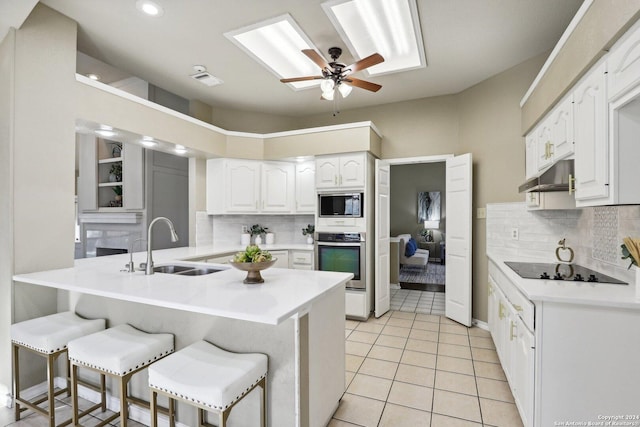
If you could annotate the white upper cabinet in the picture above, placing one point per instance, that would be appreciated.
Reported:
(554, 136)
(531, 155)
(592, 148)
(624, 63)
(346, 171)
(306, 187)
(108, 169)
(278, 187)
(543, 137)
(242, 186)
(237, 186)
(562, 141)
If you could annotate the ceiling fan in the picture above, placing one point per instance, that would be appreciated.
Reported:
(338, 75)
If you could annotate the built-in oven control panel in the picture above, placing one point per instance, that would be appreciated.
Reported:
(340, 237)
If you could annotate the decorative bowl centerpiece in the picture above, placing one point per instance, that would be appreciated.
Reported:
(252, 260)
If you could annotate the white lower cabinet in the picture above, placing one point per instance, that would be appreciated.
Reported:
(282, 258)
(523, 370)
(515, 344)
(356, 305)
(301, 260)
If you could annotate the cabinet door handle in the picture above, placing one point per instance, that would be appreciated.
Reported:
(500, 308)
(490, 288)
(572, 184)
(550, 149)
(335, 179)
(517, 307)
(511, 335)
(340, 179)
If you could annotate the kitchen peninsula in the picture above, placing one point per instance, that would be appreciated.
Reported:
(296, 318)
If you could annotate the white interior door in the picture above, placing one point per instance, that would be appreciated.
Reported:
(382, 288)
(458, 242)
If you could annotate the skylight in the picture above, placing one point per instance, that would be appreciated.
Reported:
(277, 44)
(388, 27)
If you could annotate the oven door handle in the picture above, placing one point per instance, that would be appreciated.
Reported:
(339, 244)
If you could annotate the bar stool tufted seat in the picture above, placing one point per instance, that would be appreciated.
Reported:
(48, 336)
(120, 351)
(208, 377)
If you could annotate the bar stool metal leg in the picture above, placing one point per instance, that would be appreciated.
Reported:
(16, 382)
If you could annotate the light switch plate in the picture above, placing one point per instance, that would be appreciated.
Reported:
(481, 213)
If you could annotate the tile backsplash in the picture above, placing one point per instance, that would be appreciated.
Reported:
(226, 229)
(595, 234)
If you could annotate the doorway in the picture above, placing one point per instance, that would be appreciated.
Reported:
(459, 183)
(417, 210)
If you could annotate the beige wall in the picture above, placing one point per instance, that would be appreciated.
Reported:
(490, 130)
(7, 54)
(603, 23)
(326, 142)
(244, 121)
(423, 127)
(41, 161)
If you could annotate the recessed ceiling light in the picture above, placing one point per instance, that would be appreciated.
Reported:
(277, 44)
(149, 8)
(92, 76)
(148, 141)
(106, 133)
(388, 27)
(180, 149)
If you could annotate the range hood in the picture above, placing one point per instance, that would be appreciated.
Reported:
(556, 178)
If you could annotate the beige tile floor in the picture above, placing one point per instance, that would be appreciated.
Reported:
(410, 369)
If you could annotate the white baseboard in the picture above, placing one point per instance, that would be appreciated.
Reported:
(136, 413)
(480, 324)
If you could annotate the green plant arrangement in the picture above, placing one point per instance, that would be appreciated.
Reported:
(116, 170)
(631, 250)
(308, 230)
(118, 190)
(257, 230)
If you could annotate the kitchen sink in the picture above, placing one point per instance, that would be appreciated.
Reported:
(185, 270)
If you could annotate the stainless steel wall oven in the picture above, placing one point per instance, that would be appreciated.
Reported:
(344, 252)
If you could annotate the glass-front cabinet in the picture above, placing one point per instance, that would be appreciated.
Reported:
(111, 175)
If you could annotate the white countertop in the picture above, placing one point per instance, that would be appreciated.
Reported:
(570, 292)
(285, 292)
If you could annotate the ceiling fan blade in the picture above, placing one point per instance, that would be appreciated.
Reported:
(301, 79)
(367, 62)
(315, 57)
(363, 84)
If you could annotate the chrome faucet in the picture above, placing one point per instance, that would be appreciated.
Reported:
(174, 238)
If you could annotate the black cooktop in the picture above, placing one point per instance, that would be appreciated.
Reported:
(571, 272)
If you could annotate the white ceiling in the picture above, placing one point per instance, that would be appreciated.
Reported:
(466, 42)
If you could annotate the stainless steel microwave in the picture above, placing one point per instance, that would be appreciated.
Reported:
(340, 205)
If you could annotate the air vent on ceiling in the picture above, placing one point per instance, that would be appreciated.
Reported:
(207, 79)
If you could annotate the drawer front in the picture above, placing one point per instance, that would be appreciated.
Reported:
(524, 307)
(302, 257)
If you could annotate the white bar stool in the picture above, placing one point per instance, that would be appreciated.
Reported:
(48, 337)
(208, 378)
(121, 352)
